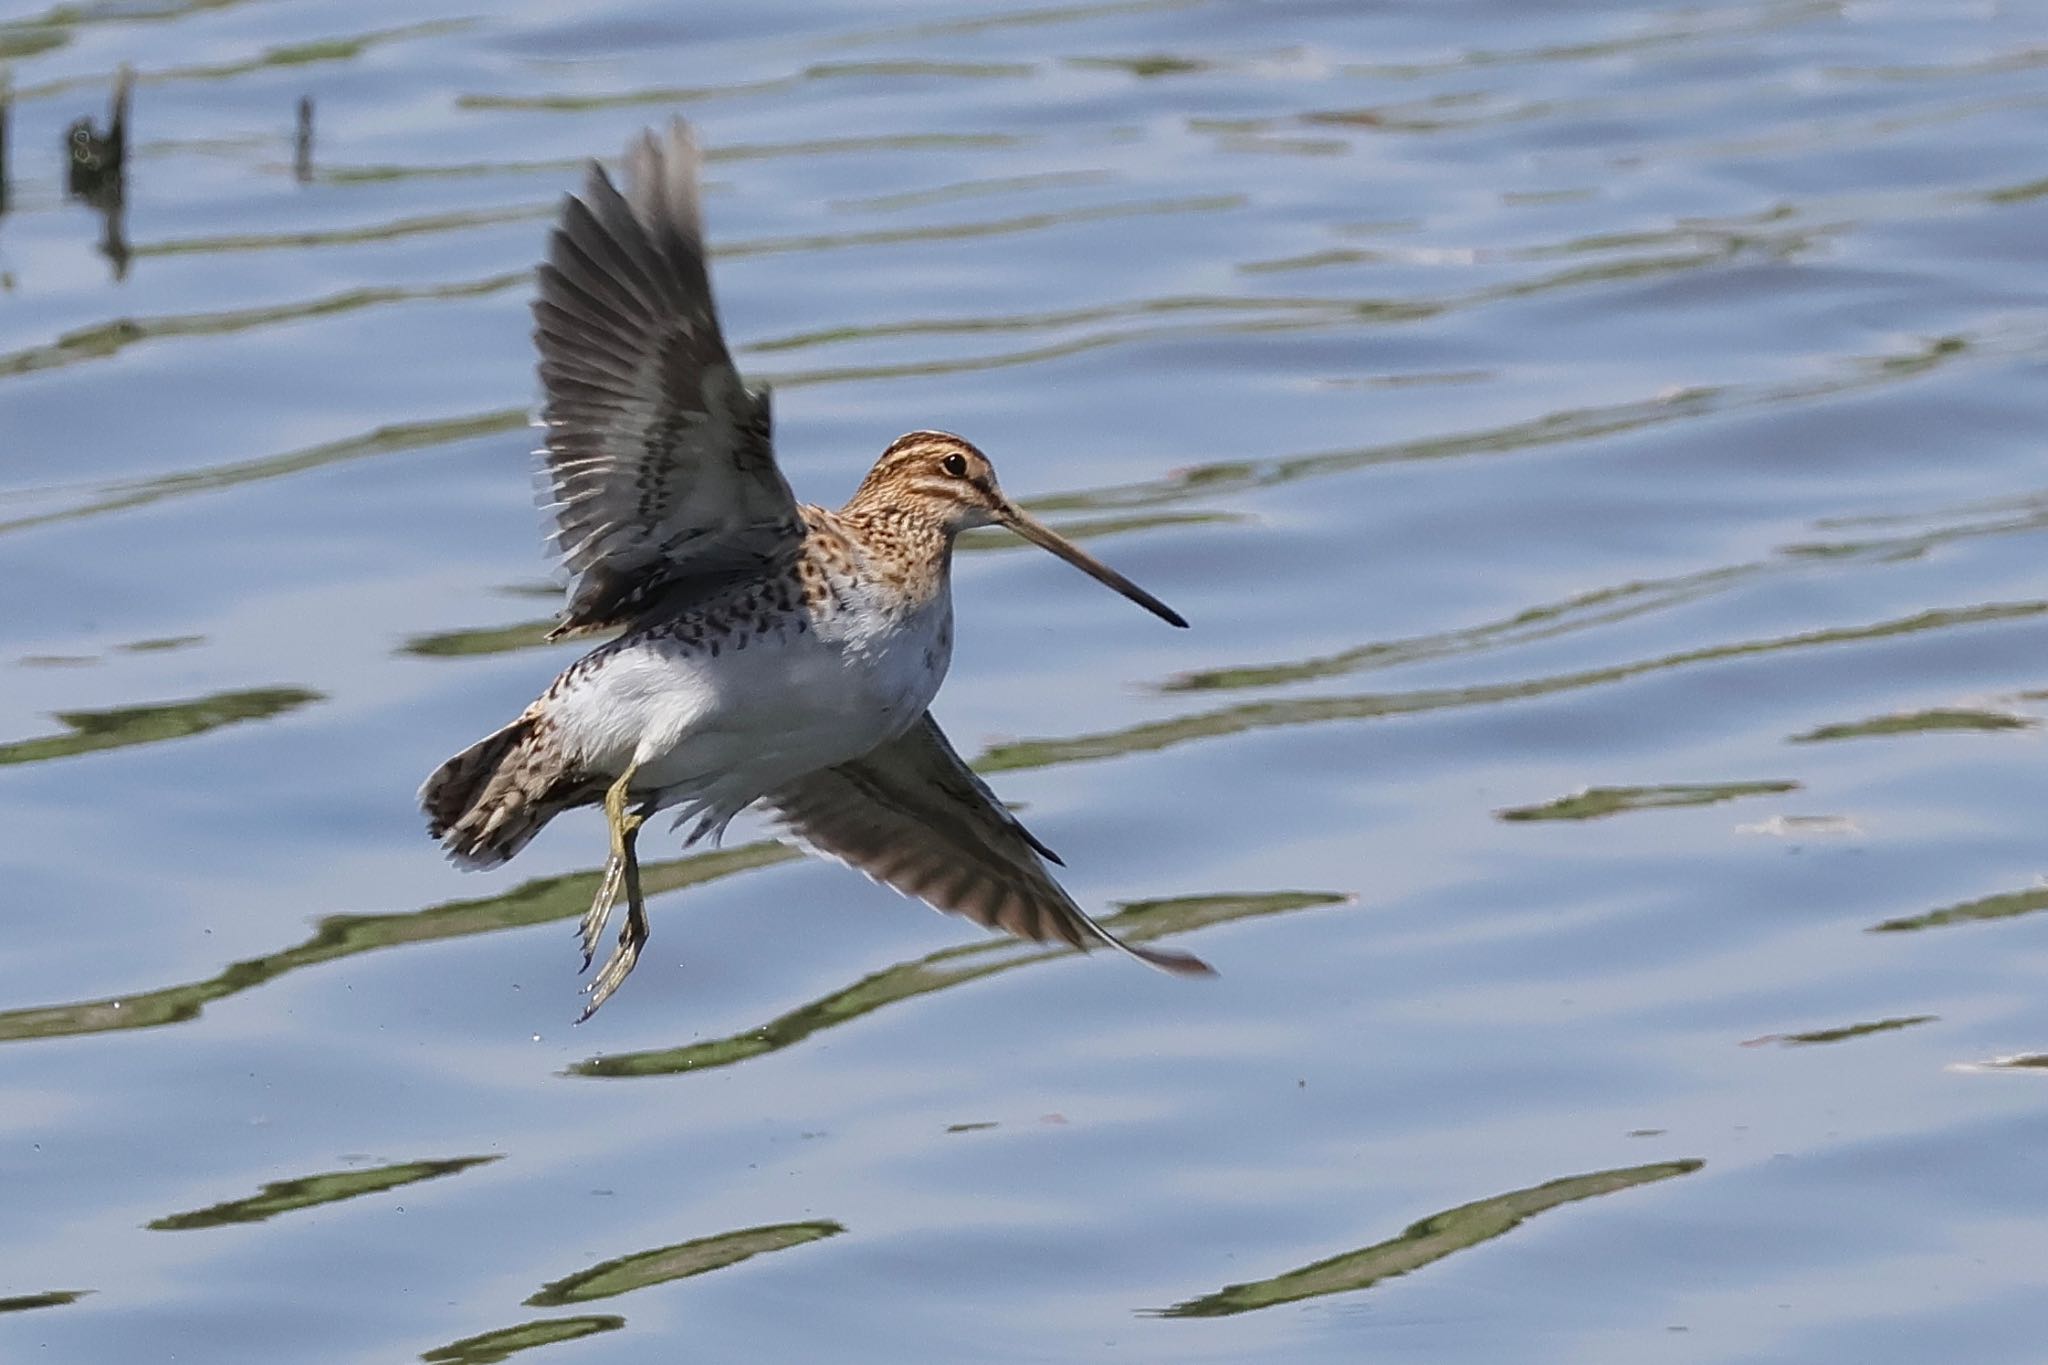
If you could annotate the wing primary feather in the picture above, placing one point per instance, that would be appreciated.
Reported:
(659, 464)
(622, 236)
(911, 815)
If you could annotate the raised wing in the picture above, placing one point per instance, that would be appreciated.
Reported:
(912, 816)
(659, 461)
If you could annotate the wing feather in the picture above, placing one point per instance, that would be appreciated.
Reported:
(659, 461)
(913, 816)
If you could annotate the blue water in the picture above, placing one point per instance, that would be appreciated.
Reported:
(1599, 448)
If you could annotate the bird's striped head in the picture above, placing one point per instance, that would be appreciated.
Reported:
(935, 477)
(938, 479)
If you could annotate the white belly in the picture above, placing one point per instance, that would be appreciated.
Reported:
(716, 731)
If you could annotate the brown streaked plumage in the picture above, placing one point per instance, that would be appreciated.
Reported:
(770, 651)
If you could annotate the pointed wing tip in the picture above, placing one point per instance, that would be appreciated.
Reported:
(662, 170)
(675, 144)
(680, 135)
(647, 147)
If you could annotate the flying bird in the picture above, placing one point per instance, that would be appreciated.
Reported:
(767, 650)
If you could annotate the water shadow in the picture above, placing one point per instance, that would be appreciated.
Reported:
(385, 440)
(1245, 316)
(1052, 320)
(464, 644)
(118, 728)
(36, 33)
(341, 49)
(2006, 905)
(1844, 1033)
(1249, 716)
(1042, 16)
(983, 188)
(623, 1275)
(1596, 803)
(1108, 339)
(288, 1196)
(54, 1298)
(989, 227)
(1687, 29)
(1139, 922)
(1572, 426)
(1550, 620)
(1843, 135)
(1948, 720)
(1216, 478)
(1147, 66)
(388, 172)
(339, 936)
(489, 1347)
(17, 42)
(2022, 1061)
(696, 1257)
(1421, 1243)
(1607, 606)
(107, 339)
(422, 225)
(897, 70)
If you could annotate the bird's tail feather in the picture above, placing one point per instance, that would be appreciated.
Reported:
(485, 803)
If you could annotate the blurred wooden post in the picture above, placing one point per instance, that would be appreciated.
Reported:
(95, 158)
(117, 121)
(302, 143)
(6, 108)
(97, 173)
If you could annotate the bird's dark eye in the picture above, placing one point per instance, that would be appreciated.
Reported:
(955, 466)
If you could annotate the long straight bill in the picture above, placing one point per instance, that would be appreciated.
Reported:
(1038, 533)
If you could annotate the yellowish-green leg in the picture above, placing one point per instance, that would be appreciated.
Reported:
(631, 938)
(625, 859)
(624, 825)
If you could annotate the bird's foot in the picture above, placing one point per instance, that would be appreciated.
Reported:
(624, 826)
(623, 867)
(601, 908)
(618, 966)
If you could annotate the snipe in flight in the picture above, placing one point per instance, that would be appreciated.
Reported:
(770, 651)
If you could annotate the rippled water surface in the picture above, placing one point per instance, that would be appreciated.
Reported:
(1600, 448)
